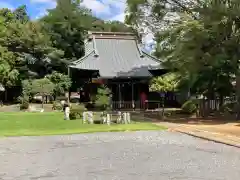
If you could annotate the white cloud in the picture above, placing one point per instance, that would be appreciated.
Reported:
(41, 14)
(107, 9)
(99, 8)
(42, 1)
(6, 5)
(119, 17)
(44, 5)
(116, 11)
(149, 38)
(48, 3)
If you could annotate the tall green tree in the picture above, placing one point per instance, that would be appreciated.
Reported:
(32, 45)
(61, 82)
(9, 75)
(200, 40)
(42, 87)
(6, 15)
(68, 24)
(167, 83)
(64, 24)
(20, 14)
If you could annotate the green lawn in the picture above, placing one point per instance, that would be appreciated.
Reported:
(35, 124)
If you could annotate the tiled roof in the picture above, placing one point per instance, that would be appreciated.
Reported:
(116, 55)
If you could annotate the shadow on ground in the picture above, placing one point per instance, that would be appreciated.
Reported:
(180, 118)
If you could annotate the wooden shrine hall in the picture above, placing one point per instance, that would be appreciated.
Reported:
(117, 60)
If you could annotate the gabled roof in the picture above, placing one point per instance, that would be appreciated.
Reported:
(116, 55)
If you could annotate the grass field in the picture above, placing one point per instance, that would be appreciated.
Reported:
(35, 124)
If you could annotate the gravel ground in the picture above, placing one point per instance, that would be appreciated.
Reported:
(114, 156)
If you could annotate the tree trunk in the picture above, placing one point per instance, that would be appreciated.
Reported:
(163, 108)
(221, 100)
(5, 95)
(42, 101)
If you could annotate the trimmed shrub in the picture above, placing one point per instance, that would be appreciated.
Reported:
(24, 102)
(189, 107)
(57, 106)
(103, 98)
(228, 107)
(76, 111)
(24, 105)
(90, 106)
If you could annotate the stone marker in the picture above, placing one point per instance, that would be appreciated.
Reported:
(90, 117)
(84, 117)
(128, 118)
(104, 119)
(125, 118)
(108, 119)
(119, 118)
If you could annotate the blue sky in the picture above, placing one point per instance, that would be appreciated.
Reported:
(104, 9)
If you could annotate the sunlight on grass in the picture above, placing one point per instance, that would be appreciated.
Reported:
(34, 124)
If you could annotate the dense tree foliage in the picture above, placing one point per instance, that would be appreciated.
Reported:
(61, 82)
(198, 39)
(35, 49)
(65, 26)
(166, 83)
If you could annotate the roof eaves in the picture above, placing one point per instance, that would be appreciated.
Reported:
(139, 49)
(152, 57)
(82, 58)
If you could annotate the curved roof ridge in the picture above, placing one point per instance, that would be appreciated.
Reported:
(82, 58)
(151, 56)
(109, 33)
(139, 49)
(95, 47)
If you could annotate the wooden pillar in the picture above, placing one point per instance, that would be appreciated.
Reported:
(119, 95)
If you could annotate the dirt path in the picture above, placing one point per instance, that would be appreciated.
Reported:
(228, 133)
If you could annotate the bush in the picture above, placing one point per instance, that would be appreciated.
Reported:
(103, 98)
(228, 107)
(24, 105)
(189, 107)
(73, 115)
(74, 100)
(96, 107)
(24, 102)
(76, 111)
(57, 106)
